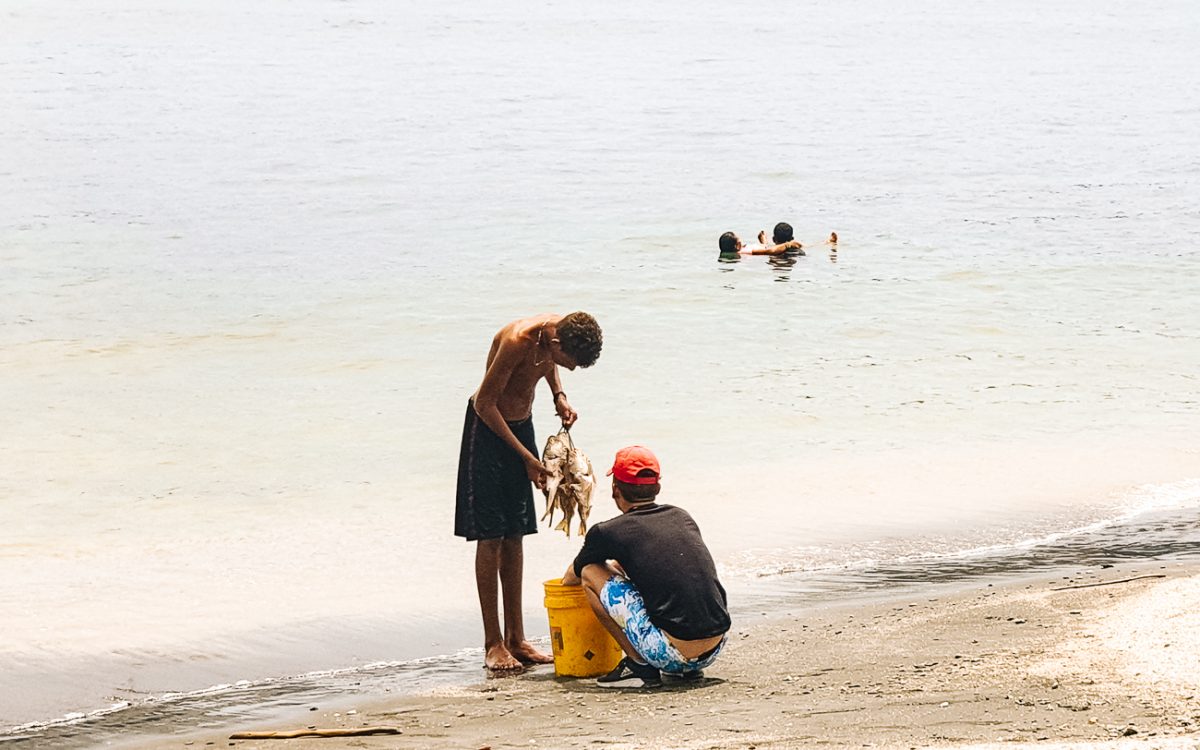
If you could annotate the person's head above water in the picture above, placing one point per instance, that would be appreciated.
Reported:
(729, 243)
(782, 233)
(580, 337)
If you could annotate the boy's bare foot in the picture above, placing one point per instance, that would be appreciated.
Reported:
(527, 654)
(500, 659)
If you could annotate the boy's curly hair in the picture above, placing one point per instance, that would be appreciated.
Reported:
(580, 337)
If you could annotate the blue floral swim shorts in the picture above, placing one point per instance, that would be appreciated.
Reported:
(624, 604)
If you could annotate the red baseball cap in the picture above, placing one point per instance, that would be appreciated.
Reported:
(630, 461)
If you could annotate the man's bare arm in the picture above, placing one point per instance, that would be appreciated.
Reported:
(508, 356)
(778, 249)
(562, 407)
(569, 578)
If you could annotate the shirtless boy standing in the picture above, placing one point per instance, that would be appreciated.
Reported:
(499, 459)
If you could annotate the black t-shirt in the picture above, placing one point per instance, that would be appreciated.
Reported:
(660, 548)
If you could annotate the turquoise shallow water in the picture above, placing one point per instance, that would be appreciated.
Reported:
(252, 259)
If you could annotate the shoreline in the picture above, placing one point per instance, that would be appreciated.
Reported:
(178, 662)
(1041, 660)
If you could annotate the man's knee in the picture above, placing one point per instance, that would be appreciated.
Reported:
(594, 576)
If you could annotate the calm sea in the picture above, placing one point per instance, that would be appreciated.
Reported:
(252, 256)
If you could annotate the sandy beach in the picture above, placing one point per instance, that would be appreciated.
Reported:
(1052, 662)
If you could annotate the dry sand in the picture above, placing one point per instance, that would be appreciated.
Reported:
(1104, 666)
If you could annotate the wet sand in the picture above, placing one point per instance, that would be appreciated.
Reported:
(1033, 662)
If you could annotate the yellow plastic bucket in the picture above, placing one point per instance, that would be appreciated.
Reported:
(582, 647)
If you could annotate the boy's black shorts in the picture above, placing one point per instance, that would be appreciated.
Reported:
(495, 496)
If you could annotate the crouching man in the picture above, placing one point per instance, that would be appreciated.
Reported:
(651, 581)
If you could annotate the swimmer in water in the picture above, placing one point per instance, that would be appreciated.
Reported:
(730, 244)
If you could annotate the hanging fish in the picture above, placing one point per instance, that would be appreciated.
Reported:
(570, 482)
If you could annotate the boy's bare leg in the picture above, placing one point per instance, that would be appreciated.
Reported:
(512, 563)
(594, 577)
(487, 571)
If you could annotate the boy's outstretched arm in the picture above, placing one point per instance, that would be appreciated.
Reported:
(569, 578)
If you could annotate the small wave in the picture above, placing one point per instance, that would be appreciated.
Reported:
(245, 692)
(1142, 500)
(223, 703)
(24, 731)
